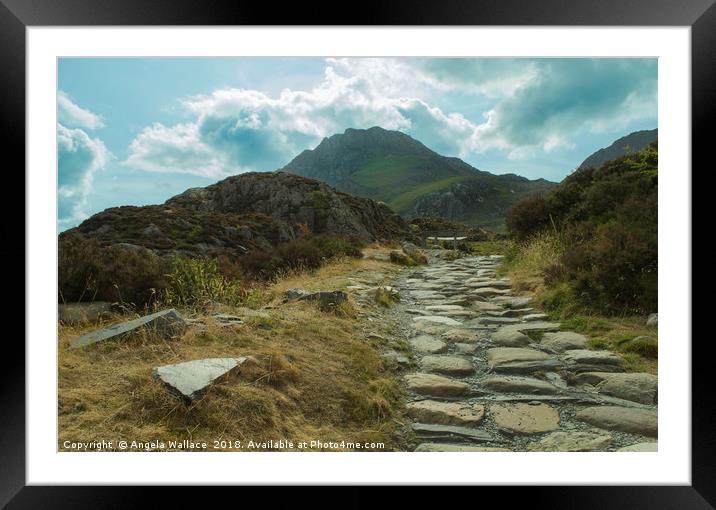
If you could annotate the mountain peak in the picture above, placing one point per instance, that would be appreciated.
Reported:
(395, 168)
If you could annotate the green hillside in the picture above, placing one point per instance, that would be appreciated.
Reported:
(415, 181)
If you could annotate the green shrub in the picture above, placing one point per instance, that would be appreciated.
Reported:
(527, 217)
(300, 254)
(645, 346)
(197, 283)
(386, 297)
(603, 227)
(88, 271)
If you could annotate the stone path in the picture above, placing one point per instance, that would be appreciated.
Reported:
(491, 373)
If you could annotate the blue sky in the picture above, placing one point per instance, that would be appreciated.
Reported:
(138, 131)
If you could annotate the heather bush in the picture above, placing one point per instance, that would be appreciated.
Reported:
(88, 271)
(596, 233)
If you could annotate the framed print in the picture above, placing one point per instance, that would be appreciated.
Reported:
(424, 248)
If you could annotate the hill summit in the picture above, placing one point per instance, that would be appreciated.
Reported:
(414, 180)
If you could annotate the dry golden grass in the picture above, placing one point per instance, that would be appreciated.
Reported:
(314, 376)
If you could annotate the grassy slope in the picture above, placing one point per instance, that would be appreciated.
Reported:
(406, 200)
(316, 376)
(525, 264)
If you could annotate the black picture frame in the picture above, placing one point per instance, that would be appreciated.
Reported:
(16, 15)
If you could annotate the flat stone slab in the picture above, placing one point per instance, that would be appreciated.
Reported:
(448, 365)
(525, 418)
(499, 320)
(467, 314)
(444, 308)
(563, 341)
(537, 326)
(509, 338)
(426, 294)
(583, 360)
(513, 302)
(451, 431)
(489, 284)
(436, 385)
(464, 336)
(437, 319)
(165, 323)
(448, 447)
(516, 384)
(623, 419)
(485, 306)
(446, 413)
(192, 378)
(500, 355)
(640, 447)
(429, 344)
(636, 387)
(578, 441)
(430, 328)
(535, 317)
(489, 291)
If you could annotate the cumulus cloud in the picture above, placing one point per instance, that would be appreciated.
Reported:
(567, 96)
(79, 157)
(71, 115)
(535, 107)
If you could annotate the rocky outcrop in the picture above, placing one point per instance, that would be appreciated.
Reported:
(295, 201)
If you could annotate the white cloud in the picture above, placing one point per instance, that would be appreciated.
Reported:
(71, 115)
(79, 157)
(174, 149)
(536, 107)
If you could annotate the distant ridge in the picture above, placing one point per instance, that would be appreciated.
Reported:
(627, 144)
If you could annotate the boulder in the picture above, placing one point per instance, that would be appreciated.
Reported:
(192, 378)
(324, 297)
(623, 419)
(563, 341)
(637, 387)
(166, 323)
(509, 338)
